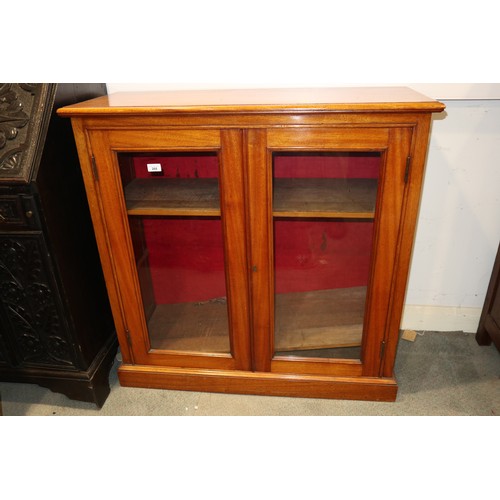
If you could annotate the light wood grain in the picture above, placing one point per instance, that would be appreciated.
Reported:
(348, 198)
(247, 382)
(361, 99)
(246, 127)
(319, 319)
(173, 197)
(322, 319)
(190, 327)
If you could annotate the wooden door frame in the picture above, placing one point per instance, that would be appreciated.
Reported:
(121, 272)
(394, 144)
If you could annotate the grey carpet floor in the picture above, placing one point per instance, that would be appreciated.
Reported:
(440, 374)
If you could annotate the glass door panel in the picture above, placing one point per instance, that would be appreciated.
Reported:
(323, 219)
(174, 217)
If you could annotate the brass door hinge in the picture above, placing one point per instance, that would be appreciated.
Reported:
(407, 170)
(94, 169)
(129, 339)
(382, 349)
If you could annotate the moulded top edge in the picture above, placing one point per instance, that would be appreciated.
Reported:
(362, 99)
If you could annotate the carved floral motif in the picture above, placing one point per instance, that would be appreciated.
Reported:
(12, 115)
(12, 118)
(29, 303)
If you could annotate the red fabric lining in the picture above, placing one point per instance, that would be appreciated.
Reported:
(186, 254)
(186, 259)
(184, 166)
(321, 255)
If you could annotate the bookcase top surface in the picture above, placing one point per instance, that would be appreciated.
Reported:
(345, 99)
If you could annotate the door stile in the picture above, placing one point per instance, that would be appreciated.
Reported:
(261, 251)
(127, 311)
(232, 199)
(419, 137)
(382, 298)
(98, 214)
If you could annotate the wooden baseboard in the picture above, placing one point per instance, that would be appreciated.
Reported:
(265, 384)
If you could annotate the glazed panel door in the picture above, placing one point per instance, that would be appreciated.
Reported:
(325, 224)
(172, 202)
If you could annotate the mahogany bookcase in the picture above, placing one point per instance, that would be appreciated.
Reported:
(256, 241)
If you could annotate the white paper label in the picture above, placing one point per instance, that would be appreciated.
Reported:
(154, 167)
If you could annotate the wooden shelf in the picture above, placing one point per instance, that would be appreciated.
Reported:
(194, 197)
(191, 327)
(333, 198)
(321, 319)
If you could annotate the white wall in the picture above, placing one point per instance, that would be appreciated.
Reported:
(459, 223)
(225, 43)
(441, 91)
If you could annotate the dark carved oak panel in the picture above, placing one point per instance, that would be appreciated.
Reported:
(30, 303)
(21, 121)
(17, 211)
(12, 117)
(56, 328)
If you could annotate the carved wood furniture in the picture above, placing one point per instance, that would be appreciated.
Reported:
(56, 328)
(256, 241)
(489, 324)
